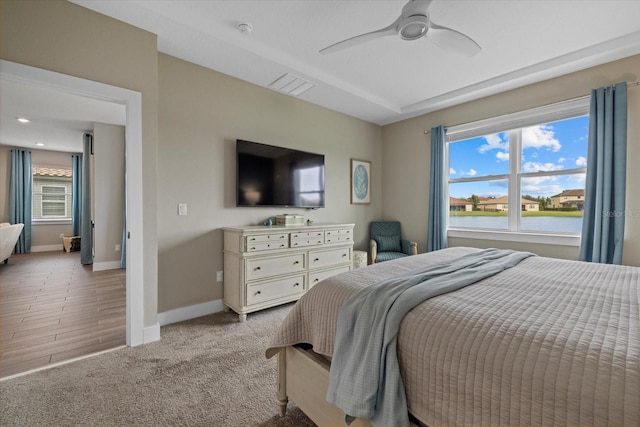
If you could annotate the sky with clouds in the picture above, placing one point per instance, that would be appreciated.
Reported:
(553, 146)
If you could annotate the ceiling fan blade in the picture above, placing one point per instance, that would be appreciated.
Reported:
(453, 40)
(353, 41)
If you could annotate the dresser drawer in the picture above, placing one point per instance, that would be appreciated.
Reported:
(327, 258)
(302, 239)
(262, 242)
(310, 242)
(318, 276)
(272, 266)
(263, 246)
(266, 291)
(337, 236)
(307, 235)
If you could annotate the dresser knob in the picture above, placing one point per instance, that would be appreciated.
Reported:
(344, 255)
(296, 262)
(297, 284)
(316, 281)
(258, 293)
(316, 260)
(257, 268)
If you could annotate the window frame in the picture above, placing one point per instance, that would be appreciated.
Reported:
(512, 124)
(68, 196)
(62, 202)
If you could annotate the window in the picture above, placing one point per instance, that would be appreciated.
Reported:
(309, 186)
(51, 193)
(520, 174)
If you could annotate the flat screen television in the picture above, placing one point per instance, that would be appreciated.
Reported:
(267, 175)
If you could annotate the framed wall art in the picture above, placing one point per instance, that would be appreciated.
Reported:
(360, 181)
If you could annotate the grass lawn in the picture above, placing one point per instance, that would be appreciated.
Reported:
(569, 214)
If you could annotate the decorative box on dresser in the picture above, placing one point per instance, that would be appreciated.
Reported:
(268, 266)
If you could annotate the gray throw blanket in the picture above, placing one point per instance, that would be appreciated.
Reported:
(364, 379)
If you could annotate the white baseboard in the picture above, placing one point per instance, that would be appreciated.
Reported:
(190, 312)
(47, 248)
(108, 265)
(151, 333)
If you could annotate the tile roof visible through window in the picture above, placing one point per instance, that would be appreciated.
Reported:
(44, 171)
(578, 192)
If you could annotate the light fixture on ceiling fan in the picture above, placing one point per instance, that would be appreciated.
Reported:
(413, 24)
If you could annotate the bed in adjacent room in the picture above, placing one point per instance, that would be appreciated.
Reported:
(545, 342)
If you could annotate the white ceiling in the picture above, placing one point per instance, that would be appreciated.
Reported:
(387, 79)
(57, 119)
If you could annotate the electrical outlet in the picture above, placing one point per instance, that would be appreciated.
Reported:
(62, 235)
(220, 276)
(117, 248)
(182, 208)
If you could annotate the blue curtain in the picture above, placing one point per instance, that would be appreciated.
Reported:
(76, 193)
(437, 225)
(86, 245)
(604, 206)
(20, 185)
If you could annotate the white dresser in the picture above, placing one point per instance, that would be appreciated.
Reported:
(267, 266)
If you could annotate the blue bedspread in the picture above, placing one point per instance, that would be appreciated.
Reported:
(365, 376)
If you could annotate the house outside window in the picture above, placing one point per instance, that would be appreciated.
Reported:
(524, 172)
(51, 193)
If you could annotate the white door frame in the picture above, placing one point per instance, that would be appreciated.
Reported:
(132, 101)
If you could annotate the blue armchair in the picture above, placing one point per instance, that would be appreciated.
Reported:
(387, 243)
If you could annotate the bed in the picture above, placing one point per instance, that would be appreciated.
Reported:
(547, 342)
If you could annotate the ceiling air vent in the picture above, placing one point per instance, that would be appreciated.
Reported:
(291, 85)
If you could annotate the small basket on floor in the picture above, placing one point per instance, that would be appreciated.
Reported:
(71, 244)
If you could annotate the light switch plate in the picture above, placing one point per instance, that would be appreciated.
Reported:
(182, 208)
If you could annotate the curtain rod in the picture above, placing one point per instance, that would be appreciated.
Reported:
(629, 85)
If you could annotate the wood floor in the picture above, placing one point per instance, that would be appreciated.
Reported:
(52, 309)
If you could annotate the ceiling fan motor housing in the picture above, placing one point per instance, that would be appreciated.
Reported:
(413, 27)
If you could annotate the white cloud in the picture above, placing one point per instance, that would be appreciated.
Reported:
(541, 136)
(542, 190)
(452, 171)
(538, 180)
(470, 172)
(540, 167)
(502, 156)
(497, 141)
(578, 177)
(562, 160)
(581, 161)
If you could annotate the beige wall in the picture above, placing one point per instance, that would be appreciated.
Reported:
(109, 190)
(405, 148)
(63, 37)
(201, 115)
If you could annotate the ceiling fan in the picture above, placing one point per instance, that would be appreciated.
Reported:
(412, 24)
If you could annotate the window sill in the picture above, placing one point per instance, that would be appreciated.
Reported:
(61, 221)
(519, 237)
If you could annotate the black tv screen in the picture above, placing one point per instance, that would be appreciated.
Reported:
(276, 176)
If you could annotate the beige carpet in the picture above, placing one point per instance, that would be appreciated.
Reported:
(209, 371)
